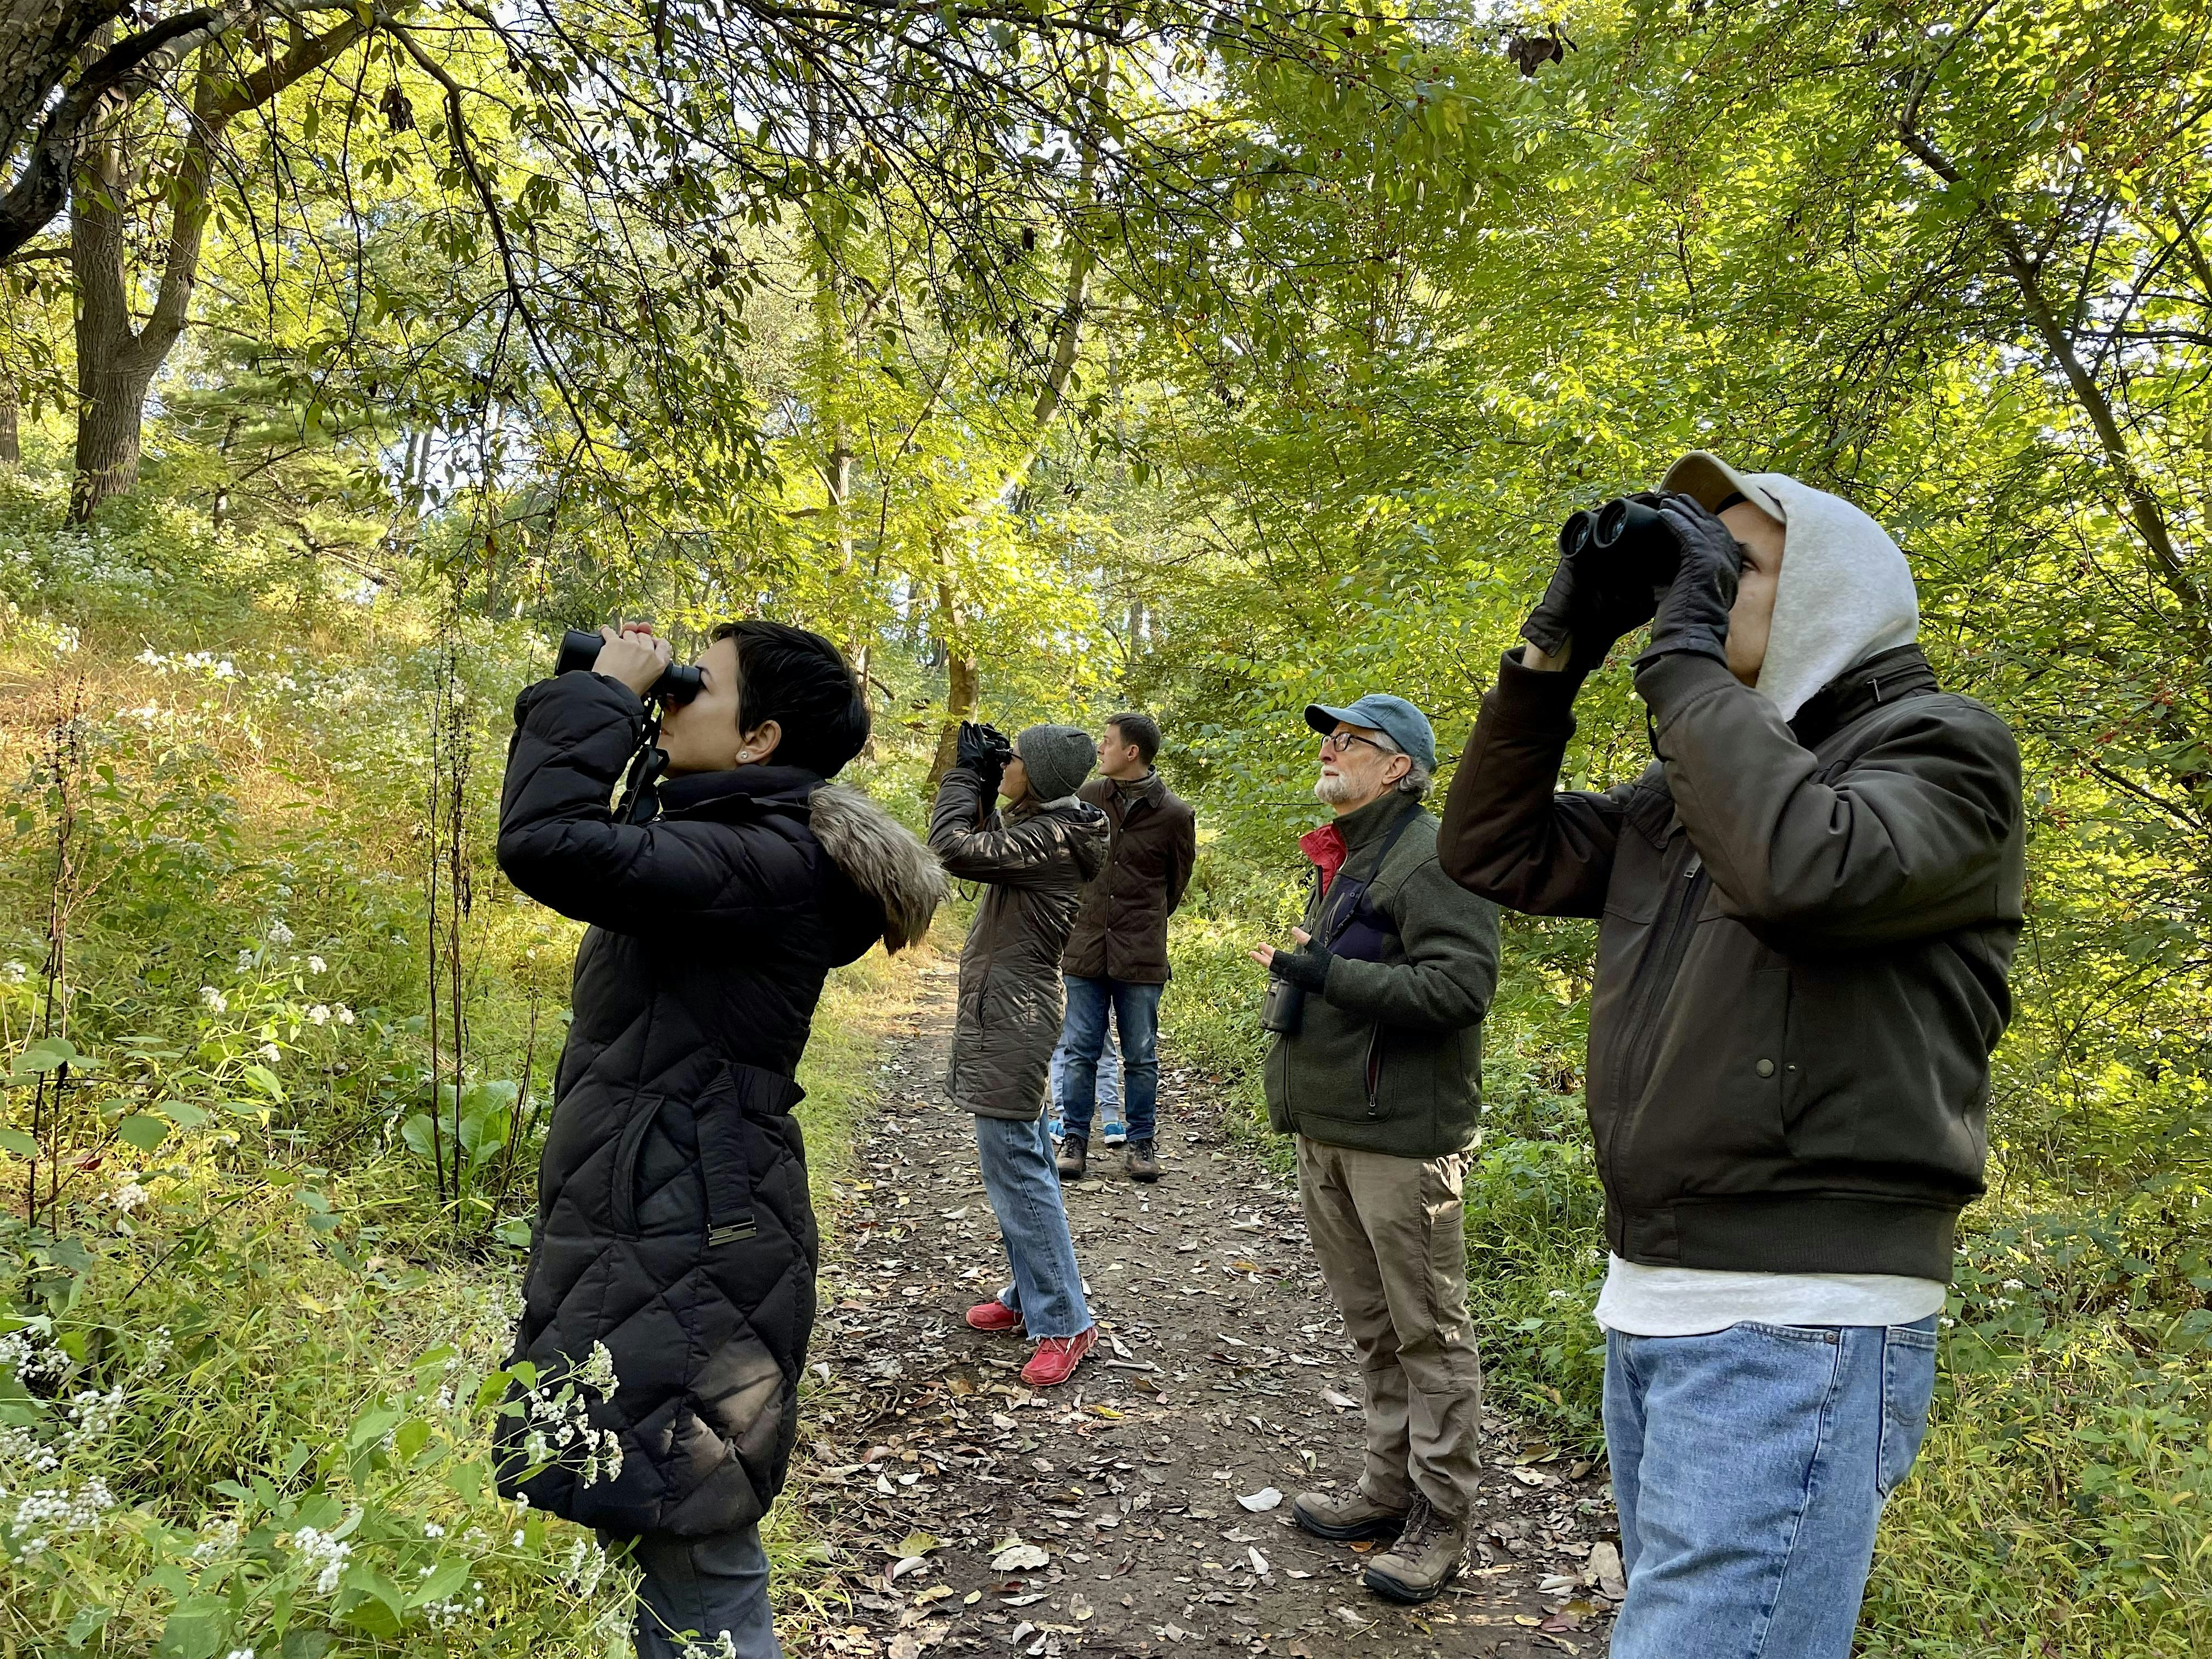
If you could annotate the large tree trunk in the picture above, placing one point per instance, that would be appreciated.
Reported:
(117, 363)
(113, 373)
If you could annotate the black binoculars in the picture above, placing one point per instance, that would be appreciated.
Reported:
(678, 683)
(1625, 534)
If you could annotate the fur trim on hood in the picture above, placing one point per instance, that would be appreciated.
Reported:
(884, 859)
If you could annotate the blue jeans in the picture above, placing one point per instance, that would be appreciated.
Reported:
(695, 1589)
(1108, 1073)
(1023, 1188)
(1749, 1467)
(1136, 1012)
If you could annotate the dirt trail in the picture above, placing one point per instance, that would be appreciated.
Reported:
(1222, 1371)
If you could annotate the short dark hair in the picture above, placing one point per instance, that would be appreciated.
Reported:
(802, 682)
(1140, 729)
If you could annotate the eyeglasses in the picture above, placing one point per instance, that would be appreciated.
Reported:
(1337, 742)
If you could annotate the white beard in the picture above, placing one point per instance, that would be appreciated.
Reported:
(1335, 789)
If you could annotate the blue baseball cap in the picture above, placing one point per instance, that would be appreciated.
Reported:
(1394, 717)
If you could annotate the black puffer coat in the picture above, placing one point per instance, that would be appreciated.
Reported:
(673, 1225)
(1036, 858)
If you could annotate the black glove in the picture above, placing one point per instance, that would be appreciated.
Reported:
(984, 751)
(1307, 968)
(1594, 597)
(1694, 612)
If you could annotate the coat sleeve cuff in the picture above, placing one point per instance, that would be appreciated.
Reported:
(1670, 683)
(1535, 696)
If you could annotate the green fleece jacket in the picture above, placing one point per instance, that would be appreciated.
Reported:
(1388, 1056)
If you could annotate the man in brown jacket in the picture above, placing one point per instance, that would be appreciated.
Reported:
(1117, 960)
(1808, 907)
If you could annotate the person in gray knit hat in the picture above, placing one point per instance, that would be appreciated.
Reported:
(1057, 758)
(1033, 857)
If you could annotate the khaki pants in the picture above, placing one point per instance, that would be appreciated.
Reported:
(1388, 1233)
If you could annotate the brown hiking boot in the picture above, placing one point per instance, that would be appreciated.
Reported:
(1353, 1515)
(1141, 1161)
(1426, 1557)
(1071, 1159)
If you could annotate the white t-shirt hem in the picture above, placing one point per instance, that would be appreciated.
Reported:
(1645, 1300)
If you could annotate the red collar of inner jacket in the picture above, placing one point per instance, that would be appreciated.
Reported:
(1324, 845)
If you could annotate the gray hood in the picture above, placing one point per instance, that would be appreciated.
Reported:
(882, 857)
(1846, 592)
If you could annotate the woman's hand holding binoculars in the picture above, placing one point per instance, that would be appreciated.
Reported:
(633, 655)
(984, 751)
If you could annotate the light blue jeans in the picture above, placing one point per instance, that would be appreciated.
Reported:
(694, 1590)
(1023, 1188)
(1109, 1086)
(1135, 1010)
(1750, 1466)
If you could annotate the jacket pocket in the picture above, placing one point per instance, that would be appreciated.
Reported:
(629, 1151)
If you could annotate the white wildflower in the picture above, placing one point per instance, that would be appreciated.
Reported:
(316, 964)
(432, 1529)
(342, 1014)
(59, 1508)
(2014, 1285)
(151, 658)
(240, 1653)
(220, 1539)
(245, 962)
(279, 934)
(21, 1352)
(319, 1014)
(13, 973)
(271, 1053)
(129, 1196)
(325, 1554)
(214, 1000)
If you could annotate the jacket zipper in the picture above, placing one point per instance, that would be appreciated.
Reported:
(1375, 1071)
(1673, 945)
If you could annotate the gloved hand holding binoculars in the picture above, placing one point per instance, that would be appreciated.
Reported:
(1664, 560)
(984, 751)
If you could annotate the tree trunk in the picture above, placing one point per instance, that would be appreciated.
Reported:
(117, 363)
(11, 444)
(963, 685)
(111, 410)
(111, 375)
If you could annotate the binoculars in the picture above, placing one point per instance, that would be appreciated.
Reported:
(1625, 534)
(678, 683)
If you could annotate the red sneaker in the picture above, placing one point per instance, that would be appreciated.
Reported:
(1057, 1356)
(993, 1316)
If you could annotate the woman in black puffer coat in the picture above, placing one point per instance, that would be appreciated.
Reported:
(673, 1229)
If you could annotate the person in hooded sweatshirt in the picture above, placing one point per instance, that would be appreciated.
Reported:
(1035, 857)
(670, 1294)
(1808, 907)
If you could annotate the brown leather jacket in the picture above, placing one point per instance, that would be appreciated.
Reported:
(1121, 931)
(1805, 931)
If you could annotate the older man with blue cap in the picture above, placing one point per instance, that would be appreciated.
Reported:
(1376, 1066)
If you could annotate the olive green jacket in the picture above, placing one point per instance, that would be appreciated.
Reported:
(1388, 1058)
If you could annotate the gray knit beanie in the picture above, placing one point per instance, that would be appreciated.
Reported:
(1058, 757)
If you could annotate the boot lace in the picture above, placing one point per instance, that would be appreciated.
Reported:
(1421, 1522)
